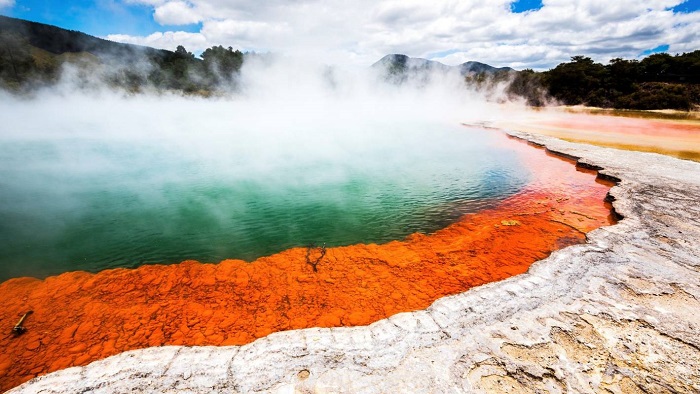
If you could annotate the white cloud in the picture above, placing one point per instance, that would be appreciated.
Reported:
(146, 2)
(245, 33)
(362, 31)
(6, 3)
(168, 40)
(176, 13)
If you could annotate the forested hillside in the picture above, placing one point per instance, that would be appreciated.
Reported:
(658, 81)
(34, 55)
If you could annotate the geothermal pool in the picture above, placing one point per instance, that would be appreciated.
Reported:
(81, 200)
(410, 205)
(81, 317)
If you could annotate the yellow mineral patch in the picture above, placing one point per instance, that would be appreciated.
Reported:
(510, 222)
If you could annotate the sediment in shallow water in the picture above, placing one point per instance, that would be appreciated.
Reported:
(674, 137)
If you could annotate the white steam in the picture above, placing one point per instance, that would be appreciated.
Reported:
(79, 167)
(284, 111)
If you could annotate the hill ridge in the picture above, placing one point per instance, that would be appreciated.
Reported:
(398, 60)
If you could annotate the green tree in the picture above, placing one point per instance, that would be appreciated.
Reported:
(624, 75)
(529, 85)
(181, 52)
(16, 61)
(686, 67)
(657, 67)
(19, 68)
(178, 70)
(222, 64)
(581, 81)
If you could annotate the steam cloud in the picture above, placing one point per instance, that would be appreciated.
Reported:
(289, 125)
(320, 111)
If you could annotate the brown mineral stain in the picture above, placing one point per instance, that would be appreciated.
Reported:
(81, 317)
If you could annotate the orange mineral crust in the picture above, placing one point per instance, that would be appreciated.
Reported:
(80, 317)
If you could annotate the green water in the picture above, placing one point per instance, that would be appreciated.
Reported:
(81, 201)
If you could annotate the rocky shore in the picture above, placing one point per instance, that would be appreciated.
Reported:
(618, 314)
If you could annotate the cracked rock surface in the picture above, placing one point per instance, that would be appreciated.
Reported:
(619, 314)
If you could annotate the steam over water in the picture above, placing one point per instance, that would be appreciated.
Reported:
(96, 182)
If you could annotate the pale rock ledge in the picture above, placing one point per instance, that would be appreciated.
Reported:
(620, 314)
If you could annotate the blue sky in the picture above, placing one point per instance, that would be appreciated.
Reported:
(95, 17)
(688, 6)
(525, 5)
(518, 33)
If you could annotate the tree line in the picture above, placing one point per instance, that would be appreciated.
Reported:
(33, 55)
(659, 81)
(24, 67)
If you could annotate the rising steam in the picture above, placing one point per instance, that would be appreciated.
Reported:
(75, 160)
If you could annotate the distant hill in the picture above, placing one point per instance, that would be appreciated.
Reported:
(398, 63)
(477, 67)
(660, 81)
(401, 63)
(35, 54)
(58, 41)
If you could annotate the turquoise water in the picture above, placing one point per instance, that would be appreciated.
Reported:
(73, 200)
